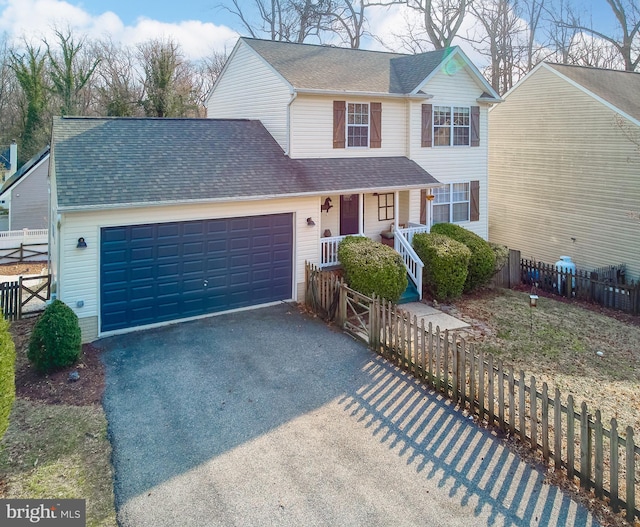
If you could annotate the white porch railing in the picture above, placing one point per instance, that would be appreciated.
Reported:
(413, 228)
(411, 260)
(329, 250)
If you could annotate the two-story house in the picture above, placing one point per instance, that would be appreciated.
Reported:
(158, 220)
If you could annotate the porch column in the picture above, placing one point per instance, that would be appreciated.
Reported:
(361, 215)
(396, 209)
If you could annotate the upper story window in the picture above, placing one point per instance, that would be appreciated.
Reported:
(357, 124)
(451, 125)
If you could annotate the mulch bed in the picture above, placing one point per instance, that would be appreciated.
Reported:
(56, 388)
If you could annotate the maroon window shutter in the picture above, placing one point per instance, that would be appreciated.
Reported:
(474, 188)
(475, 126)
(427, 125)
(423, 206)
(339, 109)
(375, 134)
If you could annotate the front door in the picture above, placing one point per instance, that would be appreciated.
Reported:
(349, 207)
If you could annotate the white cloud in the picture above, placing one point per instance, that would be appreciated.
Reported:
(35, 19)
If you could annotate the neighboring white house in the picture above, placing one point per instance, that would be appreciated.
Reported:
(26, 194)
(158, 220)
(564, 164)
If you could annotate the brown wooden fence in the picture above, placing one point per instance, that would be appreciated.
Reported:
(591, 286)
(14, 296)
(24, 252)
(570, 437)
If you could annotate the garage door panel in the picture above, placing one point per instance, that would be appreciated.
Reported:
(161, 272)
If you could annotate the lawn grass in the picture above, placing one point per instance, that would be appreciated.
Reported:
(59, 451)
(56, 445)
(558, 342)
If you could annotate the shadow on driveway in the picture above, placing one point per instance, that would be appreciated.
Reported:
(269, 417)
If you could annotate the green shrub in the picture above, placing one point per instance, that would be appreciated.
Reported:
(446, 264)
(56, 339)
(7, 375)
(372, 268)
(483, 260)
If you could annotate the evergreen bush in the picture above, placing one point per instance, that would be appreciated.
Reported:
(446, 264)
(56, 340)
(372, 268)
(7, 375)
(483, 260)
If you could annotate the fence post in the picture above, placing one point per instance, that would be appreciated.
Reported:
(613, 467)
(585, 447)
(630, 478)
(342, 317)
(515, 276)
(571, 422)
(599, 463)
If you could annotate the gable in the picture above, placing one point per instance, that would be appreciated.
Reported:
(620, 90)
(453, 85)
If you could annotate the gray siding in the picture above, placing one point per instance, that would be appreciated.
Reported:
(30, 200)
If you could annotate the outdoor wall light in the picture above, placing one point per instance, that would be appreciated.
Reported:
(81, 244)
(310, 222)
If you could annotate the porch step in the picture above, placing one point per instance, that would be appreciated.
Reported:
(410, 294)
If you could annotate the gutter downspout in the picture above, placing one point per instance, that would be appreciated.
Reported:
(294, 94)
(13, 158)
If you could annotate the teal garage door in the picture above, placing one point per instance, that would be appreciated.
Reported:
(168, 271)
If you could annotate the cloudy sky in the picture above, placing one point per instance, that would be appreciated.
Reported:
(200, 26)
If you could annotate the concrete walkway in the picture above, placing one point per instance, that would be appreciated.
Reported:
(433, 315)
(272, 418)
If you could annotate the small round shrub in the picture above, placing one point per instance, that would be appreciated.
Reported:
(372, 268)
(483, 260)
(7, 375)
(56, 340)
(446, 263)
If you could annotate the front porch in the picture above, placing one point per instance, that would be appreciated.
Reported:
(392, 218)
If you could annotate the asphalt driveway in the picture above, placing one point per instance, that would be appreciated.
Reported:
(270, 417)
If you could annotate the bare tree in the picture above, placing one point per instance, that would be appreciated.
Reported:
(348, 20)
(118, 92)
(532, 12)
(167, 80)
(206, 73)
(627, 13)
(282, 20)
(499, 40)
(70, 71)
(441, 19)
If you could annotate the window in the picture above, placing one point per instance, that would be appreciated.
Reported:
(385, 207)
(451, 126)
(358, 124)
(451, 203)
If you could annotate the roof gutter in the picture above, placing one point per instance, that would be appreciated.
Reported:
(380, 95)
(143, 204)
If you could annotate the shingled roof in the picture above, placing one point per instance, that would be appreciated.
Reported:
(619, 88)
(308, 66)
(115, 162)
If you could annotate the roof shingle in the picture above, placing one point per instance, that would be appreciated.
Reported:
(109, 162)
(308, 66)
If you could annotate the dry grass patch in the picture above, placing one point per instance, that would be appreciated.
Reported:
(56, 445)
(558, 342)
